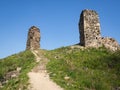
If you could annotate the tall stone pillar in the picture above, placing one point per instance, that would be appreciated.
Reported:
(89, 28)
(33, 41)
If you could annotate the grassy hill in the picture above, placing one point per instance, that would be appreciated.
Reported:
(85, 69)
(14, 69)
(71, 68)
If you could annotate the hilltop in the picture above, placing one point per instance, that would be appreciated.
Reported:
(73, 68)
(92, 64)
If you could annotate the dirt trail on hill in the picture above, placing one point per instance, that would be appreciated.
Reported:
(39, 78)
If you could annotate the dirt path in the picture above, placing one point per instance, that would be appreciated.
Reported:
(39, 78)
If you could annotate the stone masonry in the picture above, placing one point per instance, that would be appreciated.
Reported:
(89, 29)
(33, 41)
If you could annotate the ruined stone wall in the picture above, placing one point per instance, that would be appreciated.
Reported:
(89, 29)
(110, 43)
(33, 41)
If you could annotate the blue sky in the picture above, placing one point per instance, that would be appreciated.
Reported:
(57, 20)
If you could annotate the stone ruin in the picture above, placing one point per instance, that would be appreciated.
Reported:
(90, 35)
(89, 29)
(33, 41)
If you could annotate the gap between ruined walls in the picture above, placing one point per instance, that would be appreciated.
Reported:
(89, 29)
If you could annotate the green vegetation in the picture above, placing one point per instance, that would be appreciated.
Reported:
(23, 60)
(88, 69)
(71, 68)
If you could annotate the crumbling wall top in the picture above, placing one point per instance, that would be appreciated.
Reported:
(33, 41)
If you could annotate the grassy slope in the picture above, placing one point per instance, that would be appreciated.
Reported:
(90, 69)
(24, 60)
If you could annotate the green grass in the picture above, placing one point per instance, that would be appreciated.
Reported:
(89, 69)
(26, 61)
